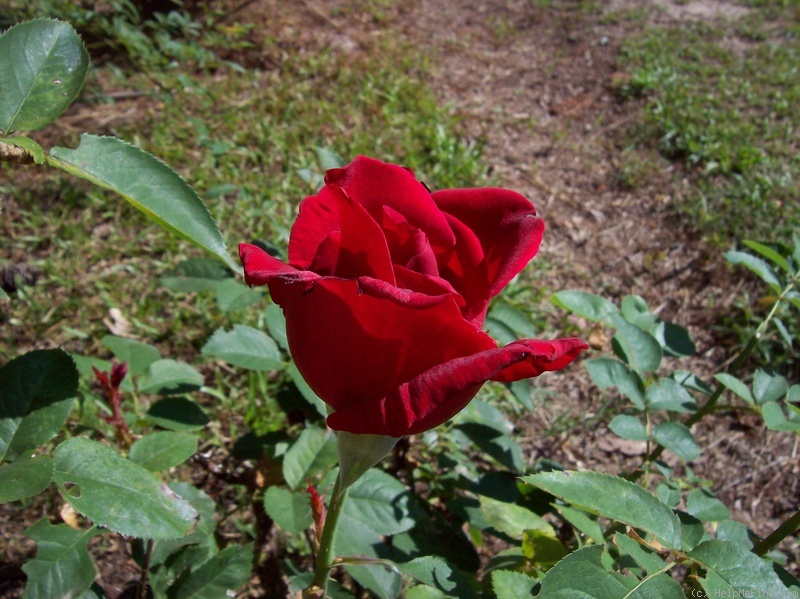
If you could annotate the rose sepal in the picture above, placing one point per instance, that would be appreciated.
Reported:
(359, 453)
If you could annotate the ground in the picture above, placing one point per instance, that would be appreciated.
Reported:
(537, 84)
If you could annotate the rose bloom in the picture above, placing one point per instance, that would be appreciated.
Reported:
(386, 291)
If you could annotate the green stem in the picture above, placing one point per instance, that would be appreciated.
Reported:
(778, 535)
(708, 407)
(326, 553)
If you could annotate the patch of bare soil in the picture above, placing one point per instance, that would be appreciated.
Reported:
(537, 84)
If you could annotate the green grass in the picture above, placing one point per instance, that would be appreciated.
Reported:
(725, 103)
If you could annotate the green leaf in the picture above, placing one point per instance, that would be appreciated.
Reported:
(42, 66)
(732, 568)
(148, 184)
(590, 306)
(117, 494)
(634, 310)
(498, 445)
(27, 476)
(305, 391)
(607, 372)
(328, 159)
(639, 349)
(136, 354)
(165, 377)
(674, 339)
(378, 503)
(62, 566)
(512, 519)
(245, 347)
(678, 439)
(37, 391)
(541, 548)
(730, 530)
(517, 322)
(30, 146)
(646, 558)
(162, 450)
(733, 384)
(612, 497)
(775, 418)
(276, 325)
(581, 521)
(313, 453)
(233, 296)
(218, 577)
(628, 427)
(581, 575)
(768, 387)
(668, 394)
(507, 584)
(437, 573)
(705, 507)
(757, 265)
(770, 254)
(660, 585)
(378, 580)
(291, 511)
(522, 391)
(177, 414)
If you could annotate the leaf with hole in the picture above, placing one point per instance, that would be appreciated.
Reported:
(42, 67)
(148, 184)
(117, 494)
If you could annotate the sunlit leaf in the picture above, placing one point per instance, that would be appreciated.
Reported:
(245, 347)
(678, 439)
(118, 494)
(612, 497)
(590, 306)
(148, 184)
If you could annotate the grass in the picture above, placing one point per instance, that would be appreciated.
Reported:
(724, 102)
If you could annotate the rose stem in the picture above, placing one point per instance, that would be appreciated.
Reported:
(326, 552)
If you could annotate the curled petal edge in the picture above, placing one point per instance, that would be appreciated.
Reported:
(438, 394)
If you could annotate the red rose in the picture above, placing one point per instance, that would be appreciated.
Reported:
(386, 291)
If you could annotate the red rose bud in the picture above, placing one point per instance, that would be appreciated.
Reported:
(386, 291)
(318, 510)
(118, 373)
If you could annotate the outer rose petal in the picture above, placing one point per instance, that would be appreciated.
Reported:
(375, 184)
(355, 340)
(436, 395)
(506, 225)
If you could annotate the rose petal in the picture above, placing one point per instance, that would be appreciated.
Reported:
(375, 184)
(506, 226)
(408, 246)
(427, 284)
(464, 266)
(436, 395)
(262, 269)
(356, 340)
(333, 235)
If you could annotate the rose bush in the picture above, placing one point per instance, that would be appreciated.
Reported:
(386, 291)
